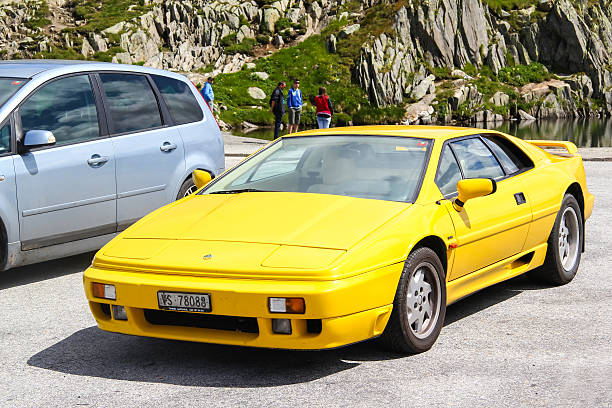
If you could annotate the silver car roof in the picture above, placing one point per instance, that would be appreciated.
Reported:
(33, 68)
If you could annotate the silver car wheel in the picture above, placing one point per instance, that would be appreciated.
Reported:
(423, 300)
(190, 191)
(569, 238)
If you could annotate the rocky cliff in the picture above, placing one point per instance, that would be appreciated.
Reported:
(575, 43)
(437, 60)
(169, 34)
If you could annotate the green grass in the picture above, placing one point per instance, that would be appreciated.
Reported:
(232, 46)
(510, 4)
(520, 75)
(99, 15)
(60, 53)
(107, 56)
(282, 24)
(439, 72)
(443, 93)
(487, 83)
(228, 40)
(39, 19)
(377, 20)
(314, 66)
(501, 110)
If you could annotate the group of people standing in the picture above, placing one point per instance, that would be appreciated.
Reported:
(294, 103)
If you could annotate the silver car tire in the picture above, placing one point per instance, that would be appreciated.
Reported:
(419, 307)
(565, 245)
(187, 188)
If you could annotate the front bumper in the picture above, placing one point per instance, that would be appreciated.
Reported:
(345, 311)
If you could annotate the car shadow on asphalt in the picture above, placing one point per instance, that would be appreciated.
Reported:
(94, 353)
(46, 270)
(489, 297)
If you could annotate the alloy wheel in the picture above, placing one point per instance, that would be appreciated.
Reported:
(190, 191)
(569, 238)
(423, 300)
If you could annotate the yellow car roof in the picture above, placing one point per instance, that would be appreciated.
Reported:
(429, 132)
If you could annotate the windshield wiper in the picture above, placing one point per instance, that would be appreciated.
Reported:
(243, 190)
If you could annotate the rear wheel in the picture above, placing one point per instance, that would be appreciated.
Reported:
(419, 307)
(187, 188)
(564, 246)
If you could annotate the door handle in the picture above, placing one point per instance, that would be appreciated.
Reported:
(96, 160)
(168, 147)
(520, 198)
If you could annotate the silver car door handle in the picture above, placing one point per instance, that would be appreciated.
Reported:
(168, 147)
(97, 160)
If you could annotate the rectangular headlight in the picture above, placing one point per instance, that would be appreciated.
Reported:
(286, 305)
(104, 291)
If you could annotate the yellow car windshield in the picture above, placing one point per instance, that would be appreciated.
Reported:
(377, 167)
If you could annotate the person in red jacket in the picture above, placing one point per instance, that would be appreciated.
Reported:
(325, 109)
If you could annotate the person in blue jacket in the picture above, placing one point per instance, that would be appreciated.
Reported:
(208, 93)
(294, 103)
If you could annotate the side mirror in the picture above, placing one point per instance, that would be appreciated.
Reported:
(473, 188)
(201, 178)
(37, 138)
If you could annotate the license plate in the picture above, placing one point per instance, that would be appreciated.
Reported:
(184, 302)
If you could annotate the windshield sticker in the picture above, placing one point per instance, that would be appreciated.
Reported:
(16, 82)
(421, 147)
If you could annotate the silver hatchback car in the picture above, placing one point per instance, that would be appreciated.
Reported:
(86, 149)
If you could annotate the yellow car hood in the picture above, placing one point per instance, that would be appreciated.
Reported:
(271, 235)
(299, 219)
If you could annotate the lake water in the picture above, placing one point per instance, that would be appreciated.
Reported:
(582, 132)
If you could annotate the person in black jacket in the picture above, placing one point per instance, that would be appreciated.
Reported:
(277, 107)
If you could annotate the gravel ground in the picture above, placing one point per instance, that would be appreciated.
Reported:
(514, 344)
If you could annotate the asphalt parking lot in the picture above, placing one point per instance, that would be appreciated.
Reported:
(515, 344)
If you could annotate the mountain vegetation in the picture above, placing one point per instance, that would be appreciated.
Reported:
(382, 61)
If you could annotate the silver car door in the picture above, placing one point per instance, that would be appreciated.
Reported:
(150, 154)
(8, 191)
(65, 192)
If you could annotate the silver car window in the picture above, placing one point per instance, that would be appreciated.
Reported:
(8, 86)
(132, 103)
(181, 103)
(5, 138)
(65, 107)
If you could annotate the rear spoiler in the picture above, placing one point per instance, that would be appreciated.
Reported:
(555, 144)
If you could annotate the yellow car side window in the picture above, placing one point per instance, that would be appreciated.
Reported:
(476, 160)
(448, 173)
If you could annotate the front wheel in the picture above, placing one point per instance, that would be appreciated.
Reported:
(564, 246)
(187, 188)
(419, 307)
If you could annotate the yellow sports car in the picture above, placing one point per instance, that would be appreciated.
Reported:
(330, 237)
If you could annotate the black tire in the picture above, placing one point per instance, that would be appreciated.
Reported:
(187, 188)
(556, 270)
(400, 335)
